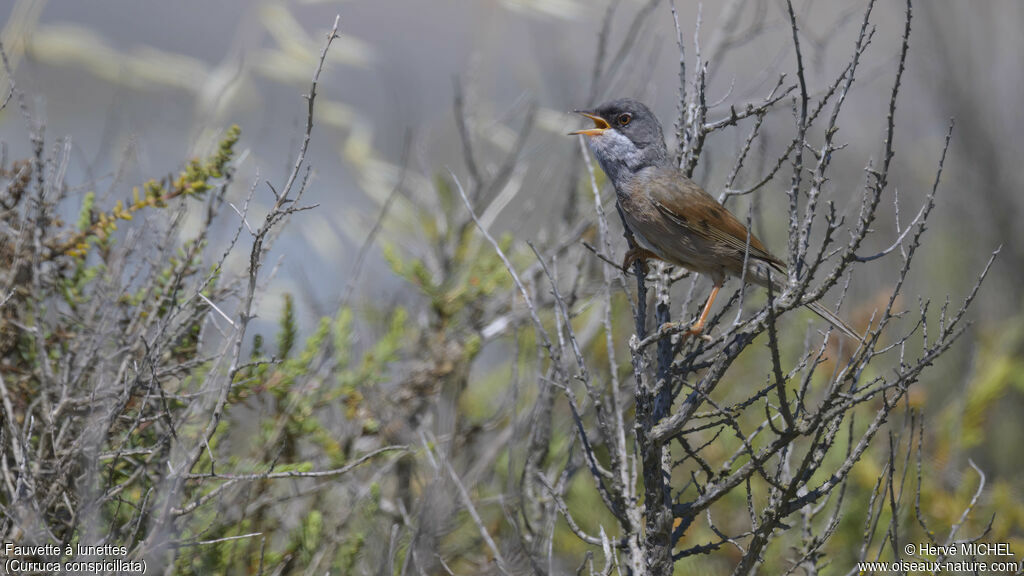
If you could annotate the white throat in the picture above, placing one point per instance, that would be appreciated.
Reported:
(619, 157)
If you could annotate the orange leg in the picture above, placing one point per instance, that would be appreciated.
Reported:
(698, 326)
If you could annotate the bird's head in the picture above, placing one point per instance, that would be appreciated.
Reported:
(626, 135)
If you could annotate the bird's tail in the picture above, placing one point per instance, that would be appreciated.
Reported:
(763, 274)
(841, 325)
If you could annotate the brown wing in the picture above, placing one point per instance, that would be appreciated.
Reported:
(687, 205)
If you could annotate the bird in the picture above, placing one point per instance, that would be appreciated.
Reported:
(670, 216)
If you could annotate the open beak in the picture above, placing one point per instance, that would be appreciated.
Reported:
(600, 125)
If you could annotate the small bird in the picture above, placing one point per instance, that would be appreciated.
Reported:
(671, 217)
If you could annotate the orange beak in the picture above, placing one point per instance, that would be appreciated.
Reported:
(600, 125)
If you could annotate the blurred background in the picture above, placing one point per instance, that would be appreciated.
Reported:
(141, 86)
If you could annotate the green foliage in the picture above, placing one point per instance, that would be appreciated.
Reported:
(81, 309)
(297, 391)
(85, 214)
(1000, 373)
(480, 273)
(373, 367)
(308, 537)
(287, 328)
(257, 346)
(349, 552)
(195, 180)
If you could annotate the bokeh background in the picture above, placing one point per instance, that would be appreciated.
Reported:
(140, 86)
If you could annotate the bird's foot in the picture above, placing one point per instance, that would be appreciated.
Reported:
(696, 330)
(699, 333)
(637, 253)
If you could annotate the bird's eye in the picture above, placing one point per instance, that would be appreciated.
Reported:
(624, 119)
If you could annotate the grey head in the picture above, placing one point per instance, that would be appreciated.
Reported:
(625, 139)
